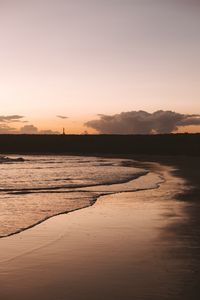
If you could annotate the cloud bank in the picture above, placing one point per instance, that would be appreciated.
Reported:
(5, 129)
(142, 122)
(31, 129)
(6, 123)
(11, 119)
(6, 126)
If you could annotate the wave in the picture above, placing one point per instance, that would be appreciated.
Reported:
(6, 159)
(152, 181)
(34, 191)
(71, 187)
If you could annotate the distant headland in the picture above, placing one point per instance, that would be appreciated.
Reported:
(169, 144)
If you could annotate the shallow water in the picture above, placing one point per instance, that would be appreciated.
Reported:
(44, 186)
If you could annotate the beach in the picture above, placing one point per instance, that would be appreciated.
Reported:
(100, 150)
(130, 245)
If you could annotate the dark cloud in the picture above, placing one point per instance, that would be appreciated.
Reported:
(142, 122)
(190, 120)
(62, 117)
(11, 118)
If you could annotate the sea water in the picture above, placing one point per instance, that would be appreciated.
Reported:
(40, 187)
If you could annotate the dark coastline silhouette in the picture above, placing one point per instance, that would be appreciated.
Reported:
(166, 144)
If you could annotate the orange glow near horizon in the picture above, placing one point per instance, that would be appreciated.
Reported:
(77, 126)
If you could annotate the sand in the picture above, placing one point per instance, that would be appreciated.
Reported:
(126, 246)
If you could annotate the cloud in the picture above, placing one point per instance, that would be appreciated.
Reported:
(6, 121)
(31, 129)
(48, 132)
(62, 117)
(5, 129)
(11, 118)
(28, 129)
(142, 122)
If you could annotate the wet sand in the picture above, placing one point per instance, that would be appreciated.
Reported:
(126, 246)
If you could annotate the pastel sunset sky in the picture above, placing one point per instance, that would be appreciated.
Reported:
(82, 58)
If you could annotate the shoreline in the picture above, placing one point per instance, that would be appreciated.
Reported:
(17, 235)
(128, 245)
(89, 188)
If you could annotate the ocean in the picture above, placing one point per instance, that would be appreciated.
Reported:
(36, 188)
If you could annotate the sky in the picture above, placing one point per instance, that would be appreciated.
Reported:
(82, 59)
